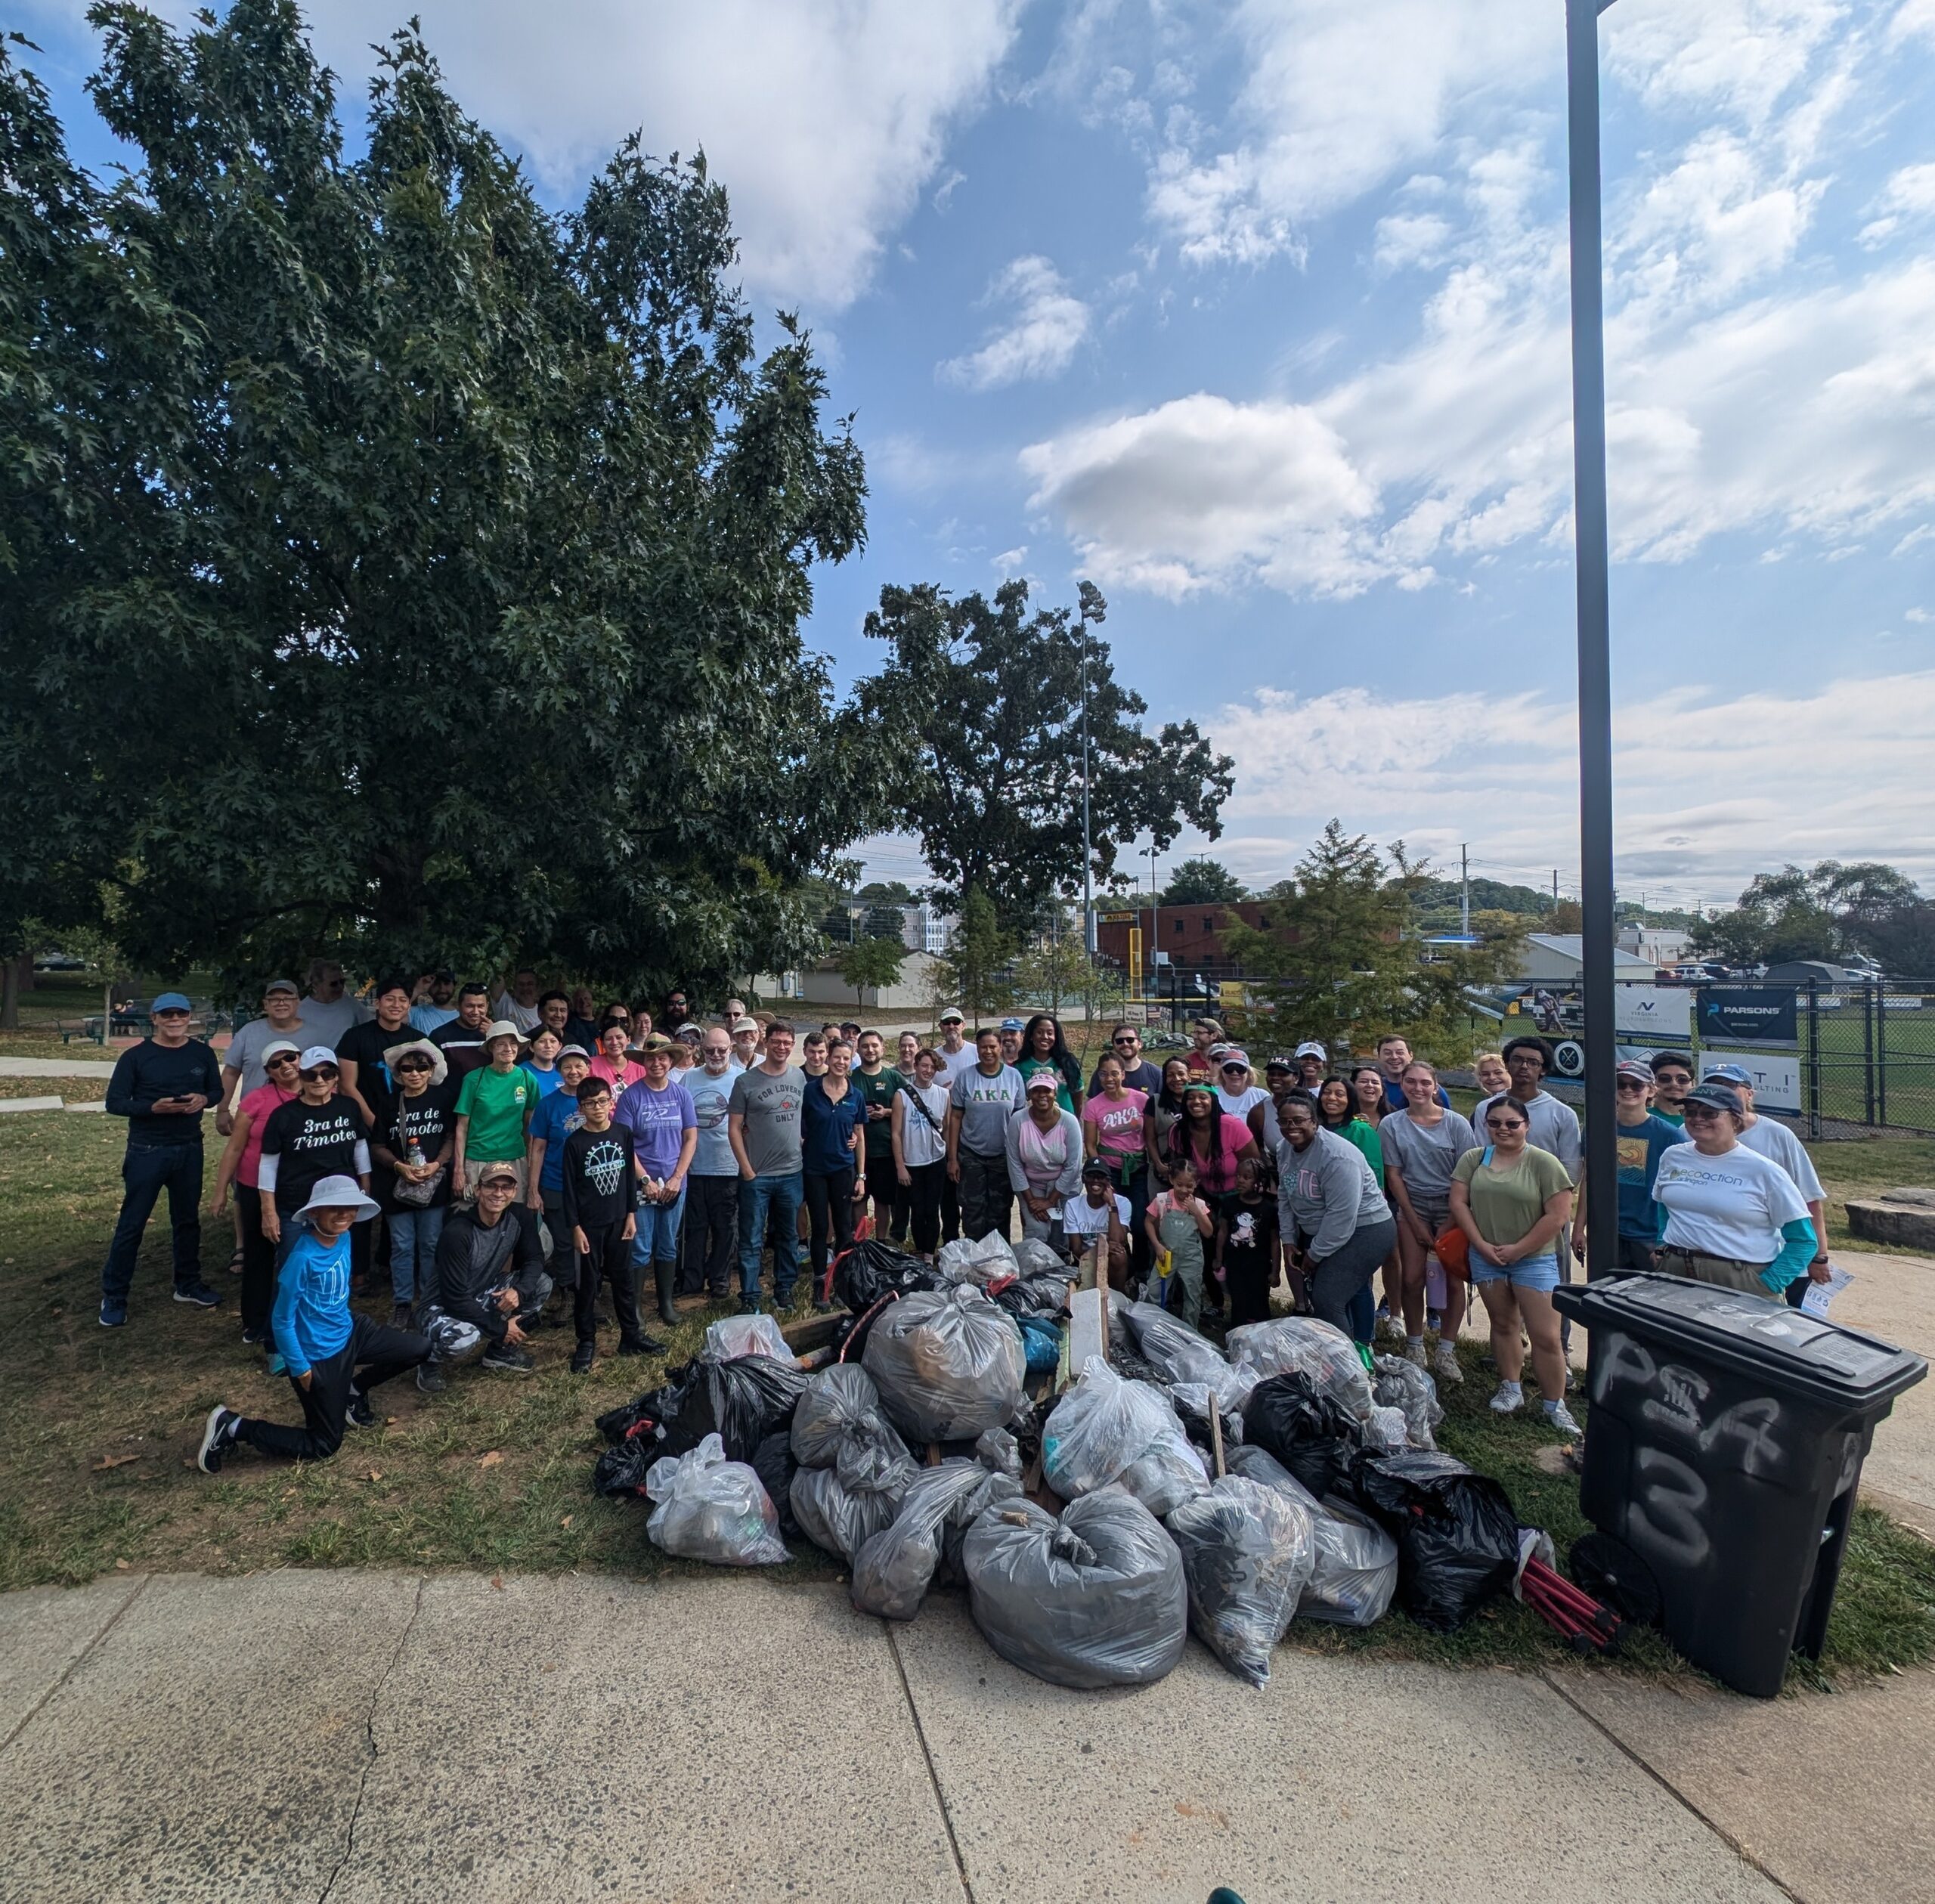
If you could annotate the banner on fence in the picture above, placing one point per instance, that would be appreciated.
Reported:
(1658, 1014)
(1776, 1076)
(1764, 1013)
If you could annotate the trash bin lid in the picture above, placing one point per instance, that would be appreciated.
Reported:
(1792, 1352)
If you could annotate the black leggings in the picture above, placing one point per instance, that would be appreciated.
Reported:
(610, 1257)
(257, 1263)
(829, 1194)
(1332, 1283)
(923, 1196)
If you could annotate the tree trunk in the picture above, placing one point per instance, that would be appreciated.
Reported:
(10, 993)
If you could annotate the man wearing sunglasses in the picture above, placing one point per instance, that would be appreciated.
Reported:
(1673, 1078)
(162, 1086)
(1137, 1073)
(318, 1134)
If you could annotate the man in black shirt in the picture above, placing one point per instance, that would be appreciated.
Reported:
(490, 1273)
(461, 1040)
(316, 1134)
(162, 1086)
(360, 1052)
(1137, 1073)
(600, 1211)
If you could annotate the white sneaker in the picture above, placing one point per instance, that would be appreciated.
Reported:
(1559, 1416)
(1509, 1399)
(1444, 1363)
(1414, 1351)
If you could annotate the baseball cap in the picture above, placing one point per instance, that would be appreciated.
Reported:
(1311, 1048)
(171, 1002)
(492, 1171)
(1728, 1074)
(1234, 1060)
(573, 1050)
(1719, 1095)
(1631, 1067)
(279, 1046)
(1040, 1081)
(1012, 1024)
(1280, 1063)
(1094, 1167)
(316, 1055)
(281, 985)
(952, 1015)
(1214, 1025)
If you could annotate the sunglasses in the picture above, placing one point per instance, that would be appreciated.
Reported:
(279, 1060)
(1627, 1084)
(1504, 1124)
(322, 1071)
(1128, 1039)
(413, 1064)
(1699, 1114)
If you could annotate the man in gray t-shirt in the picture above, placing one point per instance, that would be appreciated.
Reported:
(762, 1119)
(980, 1100)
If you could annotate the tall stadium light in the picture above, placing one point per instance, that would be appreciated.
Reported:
(1595, 888)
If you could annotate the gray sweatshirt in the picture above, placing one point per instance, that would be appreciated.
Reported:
(1330, 1190)
(1054, 1170)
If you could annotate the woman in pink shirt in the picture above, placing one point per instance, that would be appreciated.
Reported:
(240, 1163)
(1112, 1129)
(1216, 1143)
(611, 1063)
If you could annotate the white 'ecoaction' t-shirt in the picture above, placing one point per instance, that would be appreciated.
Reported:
(1732, 1206)
(1779, 1144)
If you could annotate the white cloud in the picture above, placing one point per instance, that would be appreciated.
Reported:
(1202, 491)
(1694, 804)
(1046, 327)
(1737, 56)
(824, 123)
(1337, 98)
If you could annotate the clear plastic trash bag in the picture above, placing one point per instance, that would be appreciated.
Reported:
(948, 1363)
(1170, 1345)
(1248, 1551)
(707, 1507)
(980, 1260)
(1105, 1430)
(732, 1336)
(1095, 1599)
(1403, 1385)
(1355, 1570)
(1303, 1345)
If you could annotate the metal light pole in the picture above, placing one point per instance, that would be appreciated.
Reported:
(1596, 890)
(1094, 608)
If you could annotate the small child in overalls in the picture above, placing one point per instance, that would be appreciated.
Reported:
(1178, 1221)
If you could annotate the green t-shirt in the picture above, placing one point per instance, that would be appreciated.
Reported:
(1506, 1204)
(880, 1089)
(1028, 1066)
(498, 1104)
(1362, 1136)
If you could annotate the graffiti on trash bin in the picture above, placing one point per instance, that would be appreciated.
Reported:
(1670, 1495)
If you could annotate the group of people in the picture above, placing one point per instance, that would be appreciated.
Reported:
(510, 1146)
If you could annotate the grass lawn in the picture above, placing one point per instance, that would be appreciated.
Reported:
(101, 1429)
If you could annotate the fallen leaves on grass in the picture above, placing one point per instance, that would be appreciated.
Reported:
(115, 1461)
(491, 1460)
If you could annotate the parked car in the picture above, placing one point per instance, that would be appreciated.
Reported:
(57, 961)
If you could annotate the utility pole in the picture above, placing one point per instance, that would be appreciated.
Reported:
(1155, 926)
(1465, 890)
(1555, 886)
(1093, 608)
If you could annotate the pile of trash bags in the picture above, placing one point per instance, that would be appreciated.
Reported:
(1334, 1504)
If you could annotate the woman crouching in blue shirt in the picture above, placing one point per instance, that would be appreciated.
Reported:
(333, 1359)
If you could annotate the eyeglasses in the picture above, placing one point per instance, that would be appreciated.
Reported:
(1627, 1084)
(1699, 1114)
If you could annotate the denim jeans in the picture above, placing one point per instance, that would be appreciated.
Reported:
(658, 1238)
(413, 1237)
(146, 1171)
(782, 1194)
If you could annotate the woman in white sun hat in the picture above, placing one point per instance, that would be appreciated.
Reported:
(332, 1358)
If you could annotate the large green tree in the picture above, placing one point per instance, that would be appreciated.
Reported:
(1203, 882)
(995, 796)
(425, 551)
(1823, 911)
(1340, 957)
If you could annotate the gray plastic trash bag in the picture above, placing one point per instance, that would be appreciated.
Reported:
(1354, 1573)
(948, 1364)
(840, 1519)
(712, 1509)
(1095, 1599)
(1247, 1553)
(894, 1570)
(1403, 1385)
(840, 1410)
(853, 1466)
(1170, 1346)
(1106, 1430)
(978, 1260)
(1302, 1345)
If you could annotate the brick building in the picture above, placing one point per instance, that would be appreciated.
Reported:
(1191, 935)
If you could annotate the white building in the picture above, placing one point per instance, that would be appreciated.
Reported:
(1658, 946)
(1557, 959)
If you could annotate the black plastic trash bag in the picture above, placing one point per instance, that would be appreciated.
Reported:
(1303, 1345)
(620, 1470)
(894, 1570)
(1310, 1432)
(1457, 1536)
(773, 1462)
(1354, 1573)
(948, 1364)
(1095, 1599)
(650, 1411)
(1247, 1553)
(1105, 1431)
(873, 1269)
(741, 1401)
(710, 1509)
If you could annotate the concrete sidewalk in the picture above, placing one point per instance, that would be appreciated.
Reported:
(362, 1736)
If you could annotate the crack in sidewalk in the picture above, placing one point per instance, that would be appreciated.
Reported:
(370, 1742)
(1673, 1791)
(75, 1665)
(927, 1758)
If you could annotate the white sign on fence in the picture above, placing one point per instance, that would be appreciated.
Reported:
(1776, 1076)
(1661, 1012)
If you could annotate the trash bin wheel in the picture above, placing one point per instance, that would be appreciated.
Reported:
(1614, 1575)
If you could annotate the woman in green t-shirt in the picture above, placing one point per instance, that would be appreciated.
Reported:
(1512, 1200)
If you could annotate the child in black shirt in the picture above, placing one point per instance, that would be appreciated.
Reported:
(600, 1205)
(1246, 1227)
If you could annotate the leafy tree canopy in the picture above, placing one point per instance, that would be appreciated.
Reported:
(1824, 912)
(995, 795)
(1203, 882)
(389, 563)
(869, 964)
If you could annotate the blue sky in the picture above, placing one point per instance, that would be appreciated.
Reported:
(1256, 314)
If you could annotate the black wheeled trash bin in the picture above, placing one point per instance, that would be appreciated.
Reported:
(1722, 1453)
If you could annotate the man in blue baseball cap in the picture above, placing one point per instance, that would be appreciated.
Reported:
(162, 1086)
